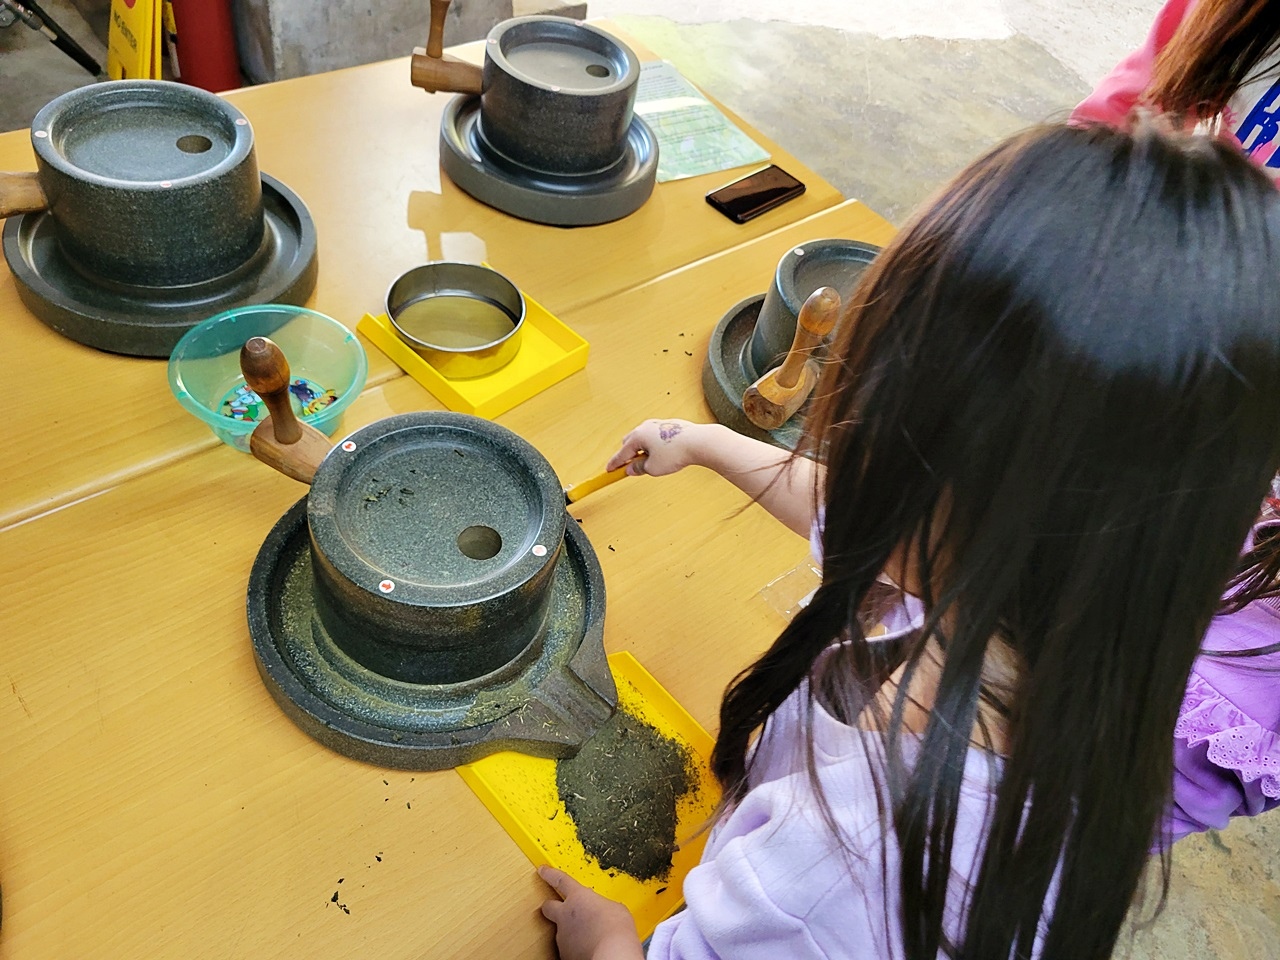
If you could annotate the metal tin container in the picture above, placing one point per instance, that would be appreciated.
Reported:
(558, 95)
(465, 319)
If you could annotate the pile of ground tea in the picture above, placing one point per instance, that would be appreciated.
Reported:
(621, 791)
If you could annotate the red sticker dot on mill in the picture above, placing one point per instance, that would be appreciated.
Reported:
(386, 586)
(348, 445)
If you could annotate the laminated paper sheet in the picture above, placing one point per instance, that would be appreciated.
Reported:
(694, 136)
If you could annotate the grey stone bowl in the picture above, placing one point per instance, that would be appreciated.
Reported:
(755, 334)
(149, 182)
(802, 270)
(433, 537)
(428, 604)
(558, 95)
(146, 321)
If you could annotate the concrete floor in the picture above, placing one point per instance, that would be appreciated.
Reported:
(885, 100)
(33, 71)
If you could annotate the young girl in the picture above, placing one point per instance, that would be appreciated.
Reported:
(1046, 426)
(1217, 63)
(1212, 61)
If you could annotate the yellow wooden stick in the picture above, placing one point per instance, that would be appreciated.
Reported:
(579, 490)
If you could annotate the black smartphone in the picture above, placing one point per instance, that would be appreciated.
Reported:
(755, 193)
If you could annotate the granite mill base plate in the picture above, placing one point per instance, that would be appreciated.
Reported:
(364, 715)
(149, 321)
(564, 200)
(728, 372)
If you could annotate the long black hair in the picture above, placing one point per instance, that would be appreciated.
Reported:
(1057, 394)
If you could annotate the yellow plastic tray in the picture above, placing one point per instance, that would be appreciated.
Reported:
(549, 352)
(520, 791)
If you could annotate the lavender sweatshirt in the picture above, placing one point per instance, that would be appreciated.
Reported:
(774, 883)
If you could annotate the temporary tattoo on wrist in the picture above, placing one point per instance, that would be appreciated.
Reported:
(668, 431)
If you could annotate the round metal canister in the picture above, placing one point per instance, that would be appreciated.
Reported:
(802, 270)
(477, 297)
(434, 537)
(149, 183)
(558, 94)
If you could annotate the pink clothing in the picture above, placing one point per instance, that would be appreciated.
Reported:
(1252, 116)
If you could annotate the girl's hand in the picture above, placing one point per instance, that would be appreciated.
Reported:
(588, 926)
(671, 445)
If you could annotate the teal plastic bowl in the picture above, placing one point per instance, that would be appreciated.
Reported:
(327, 369)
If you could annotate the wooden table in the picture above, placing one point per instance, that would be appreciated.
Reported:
(360, 146)
(154, 800)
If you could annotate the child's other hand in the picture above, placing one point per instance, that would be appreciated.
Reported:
(671, 445)
(588, 926)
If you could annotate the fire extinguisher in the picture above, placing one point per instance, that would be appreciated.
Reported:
(206, 44)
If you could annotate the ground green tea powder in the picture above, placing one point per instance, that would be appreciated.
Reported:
(621, 790)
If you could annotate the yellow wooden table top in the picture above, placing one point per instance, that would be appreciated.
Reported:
(154, 800)
(360, 146)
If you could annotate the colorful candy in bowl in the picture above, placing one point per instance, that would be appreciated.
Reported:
(328, 369)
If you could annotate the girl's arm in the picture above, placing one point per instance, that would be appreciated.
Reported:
(763, 472)
(1120, 91)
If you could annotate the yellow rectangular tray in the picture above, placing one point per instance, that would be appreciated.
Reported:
(520, 791)
(549, 352)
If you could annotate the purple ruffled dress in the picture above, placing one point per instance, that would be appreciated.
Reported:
(1227, 742)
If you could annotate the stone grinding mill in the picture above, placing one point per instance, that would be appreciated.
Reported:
(546, 130)
(427, 603)
(148, 214)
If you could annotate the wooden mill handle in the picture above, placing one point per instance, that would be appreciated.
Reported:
(435, 39)
(20, 193)
(817, 319)
(433, 70)
(282, 440)
(266, 371)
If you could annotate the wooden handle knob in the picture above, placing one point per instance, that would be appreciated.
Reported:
(20, 193)
(266, 371)
(435, 39)
(820, 312)
(432, 70)
(817, 319)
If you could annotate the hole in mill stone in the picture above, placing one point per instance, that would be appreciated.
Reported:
(479, 542)
(598, 71)
(194, 143)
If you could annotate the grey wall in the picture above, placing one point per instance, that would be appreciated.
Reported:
(293, 38)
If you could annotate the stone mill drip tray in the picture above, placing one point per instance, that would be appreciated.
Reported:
(430, 602)
(525, 794)
(149, 321)
(532, 707)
